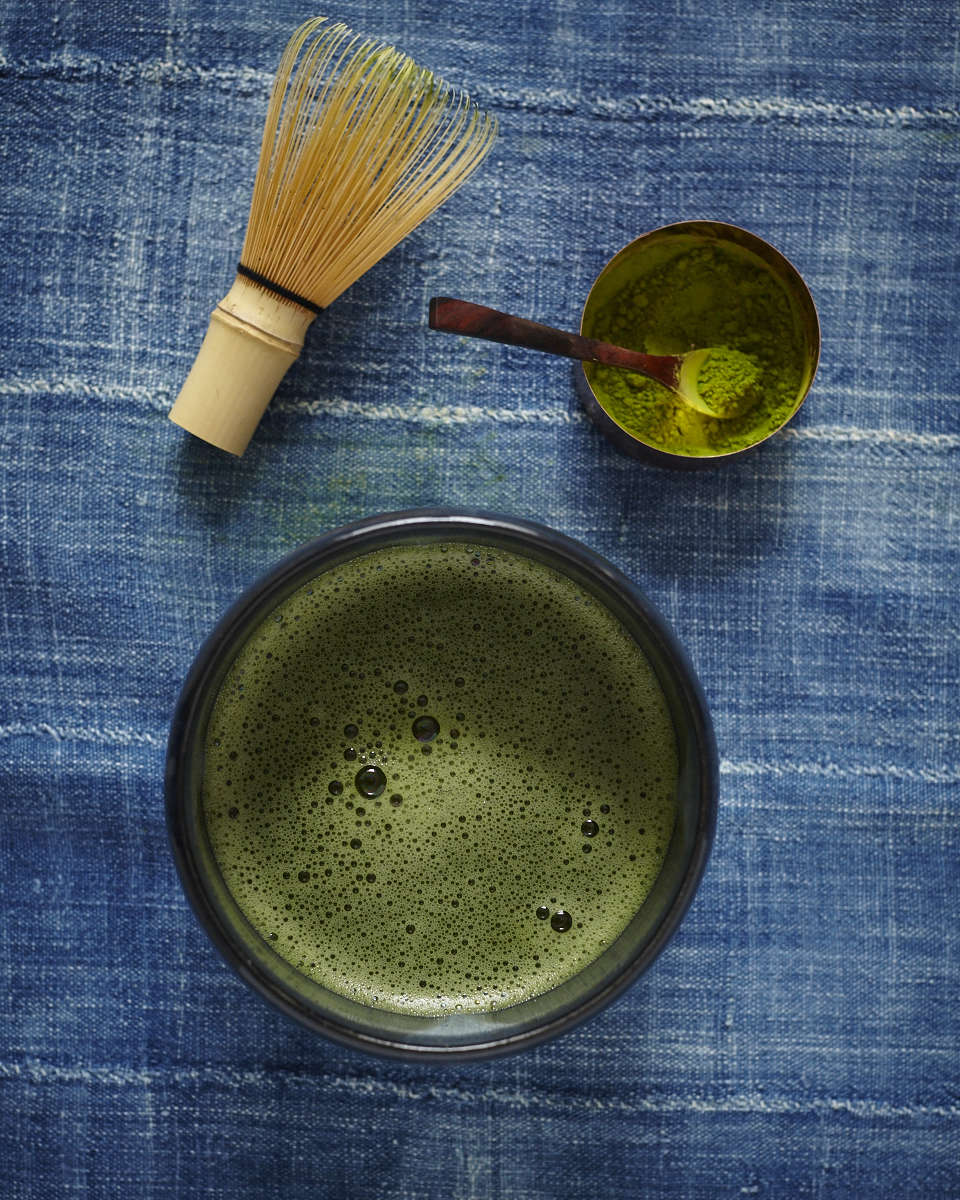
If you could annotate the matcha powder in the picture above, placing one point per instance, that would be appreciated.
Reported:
(707, 296)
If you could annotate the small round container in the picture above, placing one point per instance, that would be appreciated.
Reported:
(650, 253)
(452, 1036)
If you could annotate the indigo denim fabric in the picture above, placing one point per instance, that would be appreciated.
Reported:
(800, 1035)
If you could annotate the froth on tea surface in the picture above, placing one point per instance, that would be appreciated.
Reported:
(440, 778)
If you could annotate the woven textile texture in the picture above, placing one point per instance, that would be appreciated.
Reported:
(800, 1035)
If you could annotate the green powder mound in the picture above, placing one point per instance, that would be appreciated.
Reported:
(727, 382)
(706, 296)
(440, 779)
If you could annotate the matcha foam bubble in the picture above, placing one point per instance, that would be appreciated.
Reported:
(407, 761)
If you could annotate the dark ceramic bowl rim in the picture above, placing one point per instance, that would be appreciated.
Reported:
(273, 586)
(633, 445)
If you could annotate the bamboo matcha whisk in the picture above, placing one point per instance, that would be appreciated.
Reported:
(360, 145)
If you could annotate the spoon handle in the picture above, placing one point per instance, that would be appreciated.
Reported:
(476, 320)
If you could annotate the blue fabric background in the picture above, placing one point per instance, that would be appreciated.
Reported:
(799, 1037)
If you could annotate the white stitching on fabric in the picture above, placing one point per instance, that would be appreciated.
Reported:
(160, 399)
(79, 68)
(36, 1072)
(80, 733)
(835, 771)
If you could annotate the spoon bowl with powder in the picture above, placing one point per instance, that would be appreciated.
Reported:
(716, 381)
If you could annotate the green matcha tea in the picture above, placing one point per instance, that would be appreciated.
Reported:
(440, 777)
(705, 296)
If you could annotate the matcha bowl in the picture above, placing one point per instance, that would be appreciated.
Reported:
(441, 784)
(689, 286)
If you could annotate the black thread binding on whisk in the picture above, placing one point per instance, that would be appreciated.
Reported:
(278, 288)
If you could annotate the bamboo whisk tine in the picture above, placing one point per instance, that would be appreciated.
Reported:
(359, 146)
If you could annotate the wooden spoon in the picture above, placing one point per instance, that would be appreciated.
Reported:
(678, 372)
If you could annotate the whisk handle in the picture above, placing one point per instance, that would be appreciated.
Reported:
(253, 337)
(476, 320)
